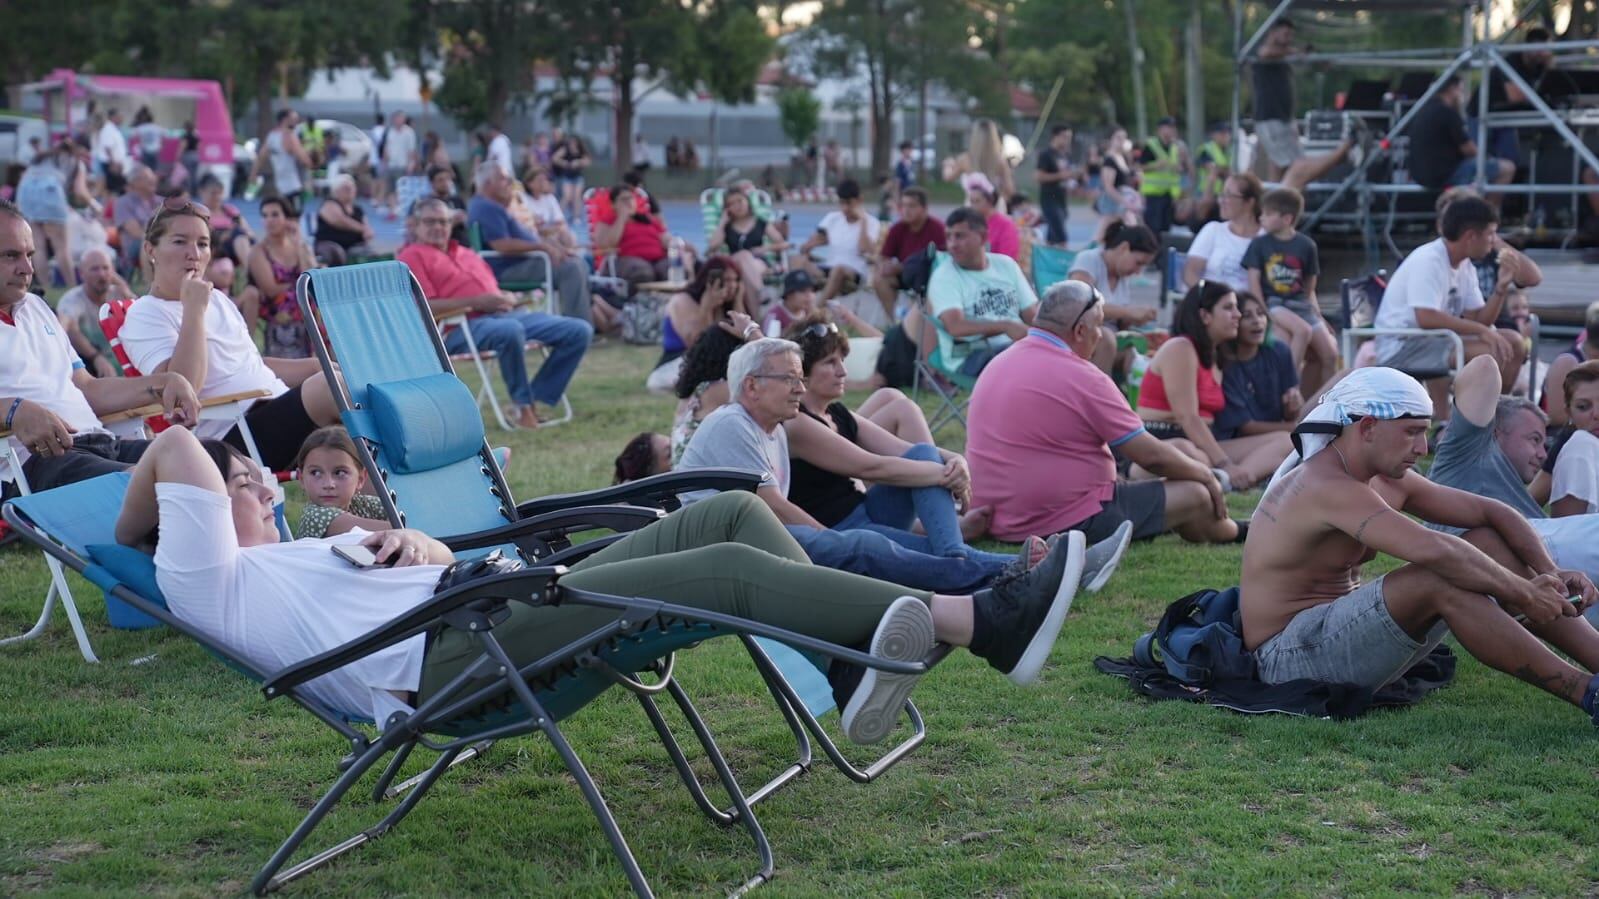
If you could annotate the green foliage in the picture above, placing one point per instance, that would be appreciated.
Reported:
(800, 113)
(898, 44)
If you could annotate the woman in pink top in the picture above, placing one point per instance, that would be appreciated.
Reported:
(1003, 238)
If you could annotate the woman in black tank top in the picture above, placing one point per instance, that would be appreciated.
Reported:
(830, 447)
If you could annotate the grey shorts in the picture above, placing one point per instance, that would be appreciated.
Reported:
(1279, 140)
(1420, 354)
(1300, 307)
(1351, 640)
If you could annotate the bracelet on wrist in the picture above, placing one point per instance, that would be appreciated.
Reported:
(12, 412)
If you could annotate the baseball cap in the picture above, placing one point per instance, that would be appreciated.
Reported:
(797, 280)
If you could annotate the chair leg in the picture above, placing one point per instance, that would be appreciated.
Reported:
(793, 703)
(566, 402)
(485, 391)
(745, 814)
(58, 588)
(476, 750)
(267, 879)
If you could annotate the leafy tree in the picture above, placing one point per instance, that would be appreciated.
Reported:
(800, 114)
(488, 48)
(717, 46)
(38, 37)
(898, 44)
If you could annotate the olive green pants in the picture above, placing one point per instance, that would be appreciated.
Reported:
(726, 554)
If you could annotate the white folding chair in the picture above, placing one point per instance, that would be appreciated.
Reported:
(479, 358)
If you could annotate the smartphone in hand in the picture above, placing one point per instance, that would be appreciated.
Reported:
(359, 556)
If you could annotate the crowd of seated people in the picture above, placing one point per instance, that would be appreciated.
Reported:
(866, 489)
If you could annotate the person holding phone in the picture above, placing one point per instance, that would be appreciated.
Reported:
(710, 300)
(205, 511)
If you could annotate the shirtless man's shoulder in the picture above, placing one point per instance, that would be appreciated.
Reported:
(1305, 547)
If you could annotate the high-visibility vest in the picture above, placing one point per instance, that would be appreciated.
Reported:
(1169, 181)
(1221, 168)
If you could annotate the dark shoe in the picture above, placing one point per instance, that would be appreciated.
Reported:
(1018, 618)
(904, 635)
(1590, 699)
(1101, 559)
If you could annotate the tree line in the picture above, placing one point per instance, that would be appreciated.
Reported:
(1089, 52)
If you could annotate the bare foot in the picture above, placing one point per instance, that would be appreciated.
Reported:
(974, 524)
(524, 417)
(1036, 548)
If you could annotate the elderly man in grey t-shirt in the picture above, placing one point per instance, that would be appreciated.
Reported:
(766, 382)
(1494, 447)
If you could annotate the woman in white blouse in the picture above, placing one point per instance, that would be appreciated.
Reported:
(1217, 253)
(185, 325)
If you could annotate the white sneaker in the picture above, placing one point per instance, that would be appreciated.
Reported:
(905, 634)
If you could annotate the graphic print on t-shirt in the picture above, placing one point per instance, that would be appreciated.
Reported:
(994, 302)
(1285, 275)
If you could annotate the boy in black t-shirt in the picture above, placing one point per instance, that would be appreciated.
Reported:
(1283, 266)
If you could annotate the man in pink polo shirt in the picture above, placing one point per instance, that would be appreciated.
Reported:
(1042, 425)
(457, 280)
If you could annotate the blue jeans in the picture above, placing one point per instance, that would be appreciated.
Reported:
(571, 282)
(874, 555)
(891, 511)
(507, 334)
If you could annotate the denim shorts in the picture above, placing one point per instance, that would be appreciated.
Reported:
(1300, 307)
(1351, 640)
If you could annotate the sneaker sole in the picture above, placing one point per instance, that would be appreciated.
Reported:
(1102, 576)
(904, 635)
(1043, 642)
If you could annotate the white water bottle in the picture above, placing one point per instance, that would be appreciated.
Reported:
(674, 261)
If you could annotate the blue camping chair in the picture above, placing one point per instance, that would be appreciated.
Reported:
(74, 525)
(397, 395)
(1051, 265)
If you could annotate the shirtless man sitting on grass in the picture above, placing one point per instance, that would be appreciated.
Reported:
(1306, 614)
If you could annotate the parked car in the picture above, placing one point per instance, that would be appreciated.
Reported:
(16, 135)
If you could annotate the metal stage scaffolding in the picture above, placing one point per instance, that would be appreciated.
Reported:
(1480, 51)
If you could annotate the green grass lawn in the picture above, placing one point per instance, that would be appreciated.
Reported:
(173, 776)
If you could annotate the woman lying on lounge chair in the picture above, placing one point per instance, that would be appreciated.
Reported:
(220, 566)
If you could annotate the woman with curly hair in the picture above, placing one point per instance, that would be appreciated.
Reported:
(648, 453)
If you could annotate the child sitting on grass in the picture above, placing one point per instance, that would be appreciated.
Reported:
(333, 480)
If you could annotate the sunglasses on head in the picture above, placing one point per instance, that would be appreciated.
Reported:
(1091, 304)
(820, 329)
(181, 205)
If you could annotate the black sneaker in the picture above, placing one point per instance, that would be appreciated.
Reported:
(1101, 559)
(1020, 617)
(905, 634)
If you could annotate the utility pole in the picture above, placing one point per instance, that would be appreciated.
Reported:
(1196, 78)
(1141, 115)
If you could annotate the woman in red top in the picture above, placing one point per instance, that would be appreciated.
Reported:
(1181, 393)
(640, 239)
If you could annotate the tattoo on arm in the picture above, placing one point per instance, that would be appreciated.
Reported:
(1360, 532)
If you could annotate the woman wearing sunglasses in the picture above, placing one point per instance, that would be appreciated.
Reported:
(832, 447)
(186, 326)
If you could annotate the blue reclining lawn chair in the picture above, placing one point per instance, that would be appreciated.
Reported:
(390, 359)
(75, 525)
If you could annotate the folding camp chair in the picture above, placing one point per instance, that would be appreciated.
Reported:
(540, 290)
(377, 322)
(1172, 288)
(59, 588)
(930, 371)
(1360, 299)
(492, 699)
(1051, 265)
(228, 407)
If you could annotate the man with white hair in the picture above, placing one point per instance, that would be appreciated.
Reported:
(765, 383)
(503, 234)
(456, 280)
(1043, 406)
(1306, 614)
(79, 311)
(132, 212)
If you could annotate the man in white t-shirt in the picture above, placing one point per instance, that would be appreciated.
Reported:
(848, 236)
(48, 401)
(500, 150)
(111, 152)
(982, 300)
(1436, 288)
(399, 149)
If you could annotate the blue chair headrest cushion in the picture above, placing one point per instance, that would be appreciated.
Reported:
(425, 423)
